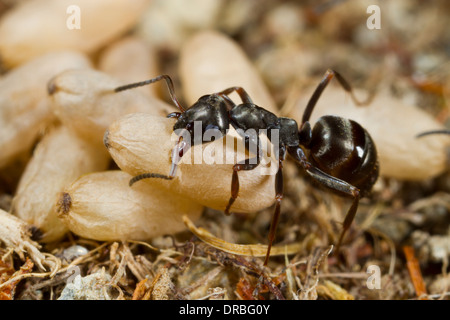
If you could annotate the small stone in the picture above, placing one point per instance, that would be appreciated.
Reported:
(91, 287)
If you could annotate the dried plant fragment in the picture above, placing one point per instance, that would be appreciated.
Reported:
(139, 292)
(8, 292)
(245, 290)
(334, 291)
(162, 287)
(308, 289)
(249, 267)
(252, 250)
(414, 272)
(15, 235)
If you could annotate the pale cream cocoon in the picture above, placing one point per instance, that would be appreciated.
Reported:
(59, 159)
(211, 62)
(102, 206)
(35, 27)
(84, 100)
(130, 60)
(25, 106)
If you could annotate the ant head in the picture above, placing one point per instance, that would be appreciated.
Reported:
(210, 110)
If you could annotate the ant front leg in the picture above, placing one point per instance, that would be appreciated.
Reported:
(278, 197)
(177, 152)
(332, 183)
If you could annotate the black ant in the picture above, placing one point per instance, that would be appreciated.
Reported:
(338, 153)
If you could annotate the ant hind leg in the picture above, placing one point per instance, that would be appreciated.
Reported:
(340, 186)
(278, 197)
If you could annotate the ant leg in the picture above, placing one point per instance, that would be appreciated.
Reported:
(230, 104)
(240, 91)
(321, 87)
(247, 164)
(150, 81)
(278, 197)
(342, 187)
(332, 183)
(174, 115)
(177, 152)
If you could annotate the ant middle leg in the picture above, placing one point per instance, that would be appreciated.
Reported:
(177, 153)
(247, 164)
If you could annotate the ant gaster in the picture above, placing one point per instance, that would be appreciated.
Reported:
(337, 153)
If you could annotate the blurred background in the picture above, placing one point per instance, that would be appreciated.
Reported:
(290, 41)
(400, 47)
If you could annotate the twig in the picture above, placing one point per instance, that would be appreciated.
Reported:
(120, 271)
(414, 272)
(350, 275)
(225, 258)
(391, 248)
(222, 291)
(202, 281)
(24, 276)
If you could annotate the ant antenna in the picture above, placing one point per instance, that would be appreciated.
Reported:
(150, 81)
(147, 176)
(443, 131)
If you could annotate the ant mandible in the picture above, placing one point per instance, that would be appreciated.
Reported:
(338, 153)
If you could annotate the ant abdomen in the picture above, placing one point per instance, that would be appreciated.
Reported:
(344, 149)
